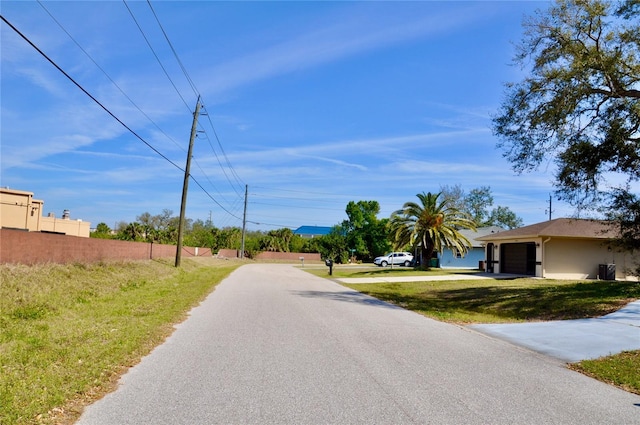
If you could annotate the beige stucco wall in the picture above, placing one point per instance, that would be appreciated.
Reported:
(18, 210)
(565, 258)
(576, 258)
(66, 226)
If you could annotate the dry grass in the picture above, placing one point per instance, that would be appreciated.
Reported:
(67, 332)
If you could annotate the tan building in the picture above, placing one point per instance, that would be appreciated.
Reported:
(563, 248)
(19, 210)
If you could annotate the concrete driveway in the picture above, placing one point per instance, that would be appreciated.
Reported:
(567, 340)
(575, 340)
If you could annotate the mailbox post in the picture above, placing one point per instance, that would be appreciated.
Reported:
(329, 263)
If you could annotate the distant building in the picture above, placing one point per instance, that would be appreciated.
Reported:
(19, 210)
(312, 231)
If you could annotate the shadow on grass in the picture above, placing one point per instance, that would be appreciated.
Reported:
(382, 271)
(401, 270)
(548, 302)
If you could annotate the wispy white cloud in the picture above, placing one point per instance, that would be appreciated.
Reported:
(354, 34)
(383, 146)
(332, 161)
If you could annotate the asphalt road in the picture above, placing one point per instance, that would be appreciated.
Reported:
(275, 345)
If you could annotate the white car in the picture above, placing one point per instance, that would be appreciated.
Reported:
(395, 258)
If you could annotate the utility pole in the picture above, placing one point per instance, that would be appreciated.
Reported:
(244, 219)
(185, 186)
(549, 210)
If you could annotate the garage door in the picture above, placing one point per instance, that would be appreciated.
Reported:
(518, 258)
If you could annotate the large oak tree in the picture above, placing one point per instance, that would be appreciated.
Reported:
(579, 103)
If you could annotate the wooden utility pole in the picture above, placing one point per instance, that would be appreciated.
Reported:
(185, 186)
(244, 219)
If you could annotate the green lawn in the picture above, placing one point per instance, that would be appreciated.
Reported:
(370, 270)
(68, 331)
(493, 301)
(514, 300)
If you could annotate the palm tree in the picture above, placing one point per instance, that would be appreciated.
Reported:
(432, 224)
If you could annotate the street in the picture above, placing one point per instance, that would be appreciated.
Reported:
(275, 345)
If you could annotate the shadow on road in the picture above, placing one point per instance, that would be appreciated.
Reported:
(346, 296)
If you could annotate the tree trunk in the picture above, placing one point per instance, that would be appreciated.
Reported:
(425, 256)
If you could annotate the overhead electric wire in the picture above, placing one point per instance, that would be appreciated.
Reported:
(215, 133)
(184, 70)
(155, 54)
(222, 167)
(108, 76)
(212, 198)
(24, 37)
(197, 93)
(210, 182)
(228, 163)
(191, 83)
(123, 92)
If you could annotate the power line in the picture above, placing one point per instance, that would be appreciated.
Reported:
(213, 199)
(222, 167)
(109, 112)
(237, 178)
(87, 93)
(184, 70)
(155, 54)
(125, 94)
(197, 93)
(108, 76)
(190, 81)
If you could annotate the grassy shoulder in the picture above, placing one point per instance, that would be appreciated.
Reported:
(67, 332)
(515, 300)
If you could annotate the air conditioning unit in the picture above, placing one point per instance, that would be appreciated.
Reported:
(607, 271)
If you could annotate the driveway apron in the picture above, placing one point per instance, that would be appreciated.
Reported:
(276, 345)
(575, 340)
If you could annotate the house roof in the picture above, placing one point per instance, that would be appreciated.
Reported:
(312, 230)
(480, 232)
(559, 227)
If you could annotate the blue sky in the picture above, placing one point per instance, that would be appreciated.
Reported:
(310, 104)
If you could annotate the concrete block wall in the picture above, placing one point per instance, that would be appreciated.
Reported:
(268, 255)
(288, 256)
(23, 247)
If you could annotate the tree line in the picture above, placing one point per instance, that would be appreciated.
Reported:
(361, 237)
(163, 228)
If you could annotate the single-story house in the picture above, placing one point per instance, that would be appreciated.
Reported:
(564, 248)
(312, 231)
(452, 258)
